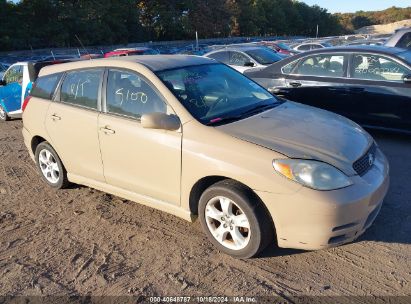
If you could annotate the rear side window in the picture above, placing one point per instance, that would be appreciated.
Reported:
(82, 88)
(304, 47)
(45, 86)
(289, 67)
(375, 67)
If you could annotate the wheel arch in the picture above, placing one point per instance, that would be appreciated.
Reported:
(35, 141)
(201, 185)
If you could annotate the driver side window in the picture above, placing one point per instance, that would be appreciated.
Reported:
(130, 95)
(238, 59)
(15, 74)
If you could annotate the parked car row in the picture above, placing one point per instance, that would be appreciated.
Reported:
(244, 58)
(368, 84)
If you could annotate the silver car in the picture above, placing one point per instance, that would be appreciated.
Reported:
(244, 58)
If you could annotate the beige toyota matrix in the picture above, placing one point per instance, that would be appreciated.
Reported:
(195, 138)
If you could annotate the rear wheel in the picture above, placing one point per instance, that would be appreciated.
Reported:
(50, 166)
(235, 220)
(3, 114)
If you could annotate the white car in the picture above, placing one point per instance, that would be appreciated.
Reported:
(308, 46)
(245, 58)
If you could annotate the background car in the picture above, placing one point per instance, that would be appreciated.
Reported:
(365, 42)
(279, 47)
(308, 46)
(401, 38)
(368, 84)
(244, 58)
(130, 52)
(16, 84)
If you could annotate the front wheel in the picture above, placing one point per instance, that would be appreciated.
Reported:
(3, 114)
(235, 220)
(50, 166)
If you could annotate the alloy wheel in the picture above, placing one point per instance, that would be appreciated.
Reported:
(49, 167)
(227, 223)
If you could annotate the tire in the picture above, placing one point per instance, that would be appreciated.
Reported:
(3, 114)
(50, 166)
(244, 228)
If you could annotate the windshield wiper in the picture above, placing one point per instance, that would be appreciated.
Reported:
(223, 120)
(248, 113)
(258, 109)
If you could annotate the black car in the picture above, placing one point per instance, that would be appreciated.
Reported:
(368, 84)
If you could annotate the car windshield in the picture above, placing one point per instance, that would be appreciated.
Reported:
(215, 93)
(264, 56)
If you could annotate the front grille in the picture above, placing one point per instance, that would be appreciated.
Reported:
(362, 165)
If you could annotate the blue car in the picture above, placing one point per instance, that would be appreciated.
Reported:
(15, 86)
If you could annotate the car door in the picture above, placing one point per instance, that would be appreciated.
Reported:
(319, 80)
(11, 92)
(382, 97)
(136, 159)
(72, 120)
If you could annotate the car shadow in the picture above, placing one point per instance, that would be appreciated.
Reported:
(393, 224)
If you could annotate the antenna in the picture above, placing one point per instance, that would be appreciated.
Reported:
(89, 56)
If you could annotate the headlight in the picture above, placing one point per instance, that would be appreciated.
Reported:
(312, 174)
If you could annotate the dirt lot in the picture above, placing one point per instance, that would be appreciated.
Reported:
(81, 241)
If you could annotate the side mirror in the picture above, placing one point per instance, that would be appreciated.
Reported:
(407, 79)
(249, 64)
(2, 82)
(160, 121)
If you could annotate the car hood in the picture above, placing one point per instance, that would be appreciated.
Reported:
(299, 131)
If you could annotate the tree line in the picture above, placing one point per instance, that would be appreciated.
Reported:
(56, 23)
(354, 21)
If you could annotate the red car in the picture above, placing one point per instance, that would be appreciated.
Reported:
(130, 52)
(279, 47)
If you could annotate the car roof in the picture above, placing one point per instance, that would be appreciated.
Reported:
(240, 48)
(360, 48)
(153, 62)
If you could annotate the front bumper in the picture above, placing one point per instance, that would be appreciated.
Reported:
(312, 220)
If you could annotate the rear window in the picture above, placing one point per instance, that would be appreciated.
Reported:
(264, 56)
(45, 86)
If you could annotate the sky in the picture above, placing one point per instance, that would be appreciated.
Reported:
(349, 6)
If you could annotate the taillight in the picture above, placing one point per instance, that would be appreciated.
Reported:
(25, 103)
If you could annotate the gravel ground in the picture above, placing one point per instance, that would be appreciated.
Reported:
(81, 241)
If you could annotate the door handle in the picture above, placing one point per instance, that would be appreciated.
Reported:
(55, 117)
(296, 84)
(107, 130)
